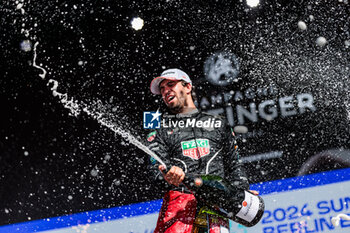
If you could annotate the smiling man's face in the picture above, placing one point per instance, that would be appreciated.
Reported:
(174, 94)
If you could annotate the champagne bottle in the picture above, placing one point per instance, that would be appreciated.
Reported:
(228, 200)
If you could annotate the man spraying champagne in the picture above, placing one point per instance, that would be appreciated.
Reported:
(207, 155)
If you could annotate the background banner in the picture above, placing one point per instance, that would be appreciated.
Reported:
(300, 204)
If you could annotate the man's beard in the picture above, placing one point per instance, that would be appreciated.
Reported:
(176, 109)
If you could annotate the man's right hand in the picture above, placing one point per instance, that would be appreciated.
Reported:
(174, 176)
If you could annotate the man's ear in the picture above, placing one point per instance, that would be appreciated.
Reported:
(188, 88)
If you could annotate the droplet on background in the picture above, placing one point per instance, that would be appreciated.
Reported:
(137, 23)
(241, 129)
(253, 3)
(302, 25)
(19, 6)
(93, 172)
(70, 197)
(321, 41)
(26, 45)
(116, 182)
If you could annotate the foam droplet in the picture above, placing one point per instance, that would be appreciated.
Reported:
(26, 45)
(94, 173)
(335, 221)
(302, 25)
(321, 41)
(19, 6)
(241, 129)
(137, 23)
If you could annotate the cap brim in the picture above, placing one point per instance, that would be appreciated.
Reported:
(155, 84)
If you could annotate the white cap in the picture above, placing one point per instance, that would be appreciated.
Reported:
(171, 74)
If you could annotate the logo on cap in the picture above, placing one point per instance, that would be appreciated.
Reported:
(165, 73)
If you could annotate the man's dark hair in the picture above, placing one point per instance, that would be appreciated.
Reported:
(193, 93)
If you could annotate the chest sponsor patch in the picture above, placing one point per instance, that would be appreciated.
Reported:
(189, 148)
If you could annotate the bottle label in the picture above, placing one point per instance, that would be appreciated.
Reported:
(250, 207)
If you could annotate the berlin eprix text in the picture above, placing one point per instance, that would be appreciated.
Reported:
(305, 217)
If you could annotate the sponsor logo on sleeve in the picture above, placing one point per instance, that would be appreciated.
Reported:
(151, 136)
(233, 133)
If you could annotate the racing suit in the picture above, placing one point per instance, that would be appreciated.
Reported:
(202, 144)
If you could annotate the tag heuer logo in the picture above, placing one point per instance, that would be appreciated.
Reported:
(189, 148)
